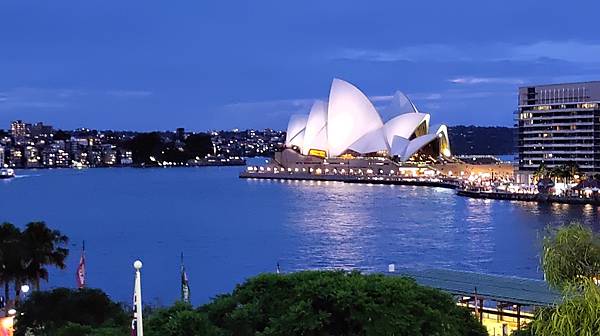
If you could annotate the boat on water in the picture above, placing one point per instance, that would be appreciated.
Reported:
(6, 173)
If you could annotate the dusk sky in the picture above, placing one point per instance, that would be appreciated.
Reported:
(145, 65)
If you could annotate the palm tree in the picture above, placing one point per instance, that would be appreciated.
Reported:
(572, 170)
(541, 172)
(557, 173)
(43, 247)
(11, 251)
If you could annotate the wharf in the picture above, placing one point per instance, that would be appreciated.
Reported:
(498, 195)
(440, 183)
(385, 180)
(540, 198)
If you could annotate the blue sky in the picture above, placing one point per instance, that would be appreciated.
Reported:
(145, 65)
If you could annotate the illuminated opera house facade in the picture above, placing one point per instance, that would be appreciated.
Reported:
(348, 132)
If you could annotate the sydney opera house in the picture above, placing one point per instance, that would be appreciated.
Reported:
(348, 127)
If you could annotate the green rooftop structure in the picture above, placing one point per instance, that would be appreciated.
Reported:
(501, 302)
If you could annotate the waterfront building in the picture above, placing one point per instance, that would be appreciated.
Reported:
(109, 155)
(558, 124)
(16, 157)
(126, 157)
(41, 131)
(54, 155)
(347, 136)
(20, 131)
(349, 127)
(2, 156)
(32, 158)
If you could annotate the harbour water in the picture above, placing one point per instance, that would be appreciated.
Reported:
(231, 228)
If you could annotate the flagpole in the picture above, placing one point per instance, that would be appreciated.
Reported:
(138, 295)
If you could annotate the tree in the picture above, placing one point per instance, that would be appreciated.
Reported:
(179, 320)
(541, 172)
(10, 251)
(62, 135)
(198, 145)
(571, 262)
(67, 311)
(145, 145)
(338, 303)
(44, 247)
(577, 314)
(571, 254)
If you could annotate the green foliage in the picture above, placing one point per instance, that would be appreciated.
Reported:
(179, 320)
(578, 314)
(145, 145)
(61, 135)
(42, 246)
(338, 303)
(571, 254)
(24, 255)
(198, 145)
(571, 262)
(68, 311)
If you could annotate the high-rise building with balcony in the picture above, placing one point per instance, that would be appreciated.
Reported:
(19, 130)
(558, 124)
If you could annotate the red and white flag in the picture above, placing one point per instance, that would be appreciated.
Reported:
(81, 269)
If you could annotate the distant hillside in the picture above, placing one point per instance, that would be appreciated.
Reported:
(481, 140)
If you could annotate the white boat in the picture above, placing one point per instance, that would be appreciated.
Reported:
(6, 173)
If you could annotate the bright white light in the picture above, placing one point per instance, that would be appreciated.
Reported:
(25, 288)
(12, 311)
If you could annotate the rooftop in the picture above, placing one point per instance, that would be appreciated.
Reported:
(526, 292)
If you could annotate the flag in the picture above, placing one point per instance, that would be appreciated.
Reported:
(185, 285)
(81, 269)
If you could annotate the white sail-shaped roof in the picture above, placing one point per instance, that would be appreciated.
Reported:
(402, 104)
(350, 115)
(398, 146)
(295, 130)
(371, 142)
(420, 142)
(417, 144)
(405, 125)
(315, 134)
(350, 122)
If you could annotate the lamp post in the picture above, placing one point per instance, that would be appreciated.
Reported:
(138, 299)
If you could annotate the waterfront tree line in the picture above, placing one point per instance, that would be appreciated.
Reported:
(564, 173)
(150, 148)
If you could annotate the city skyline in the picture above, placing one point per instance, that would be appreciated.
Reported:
(201, 66)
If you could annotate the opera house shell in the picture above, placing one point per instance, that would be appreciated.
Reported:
(348, 125)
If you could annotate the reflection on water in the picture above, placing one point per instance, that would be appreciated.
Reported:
(230, 229)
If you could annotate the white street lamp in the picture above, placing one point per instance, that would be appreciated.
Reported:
(25, 288)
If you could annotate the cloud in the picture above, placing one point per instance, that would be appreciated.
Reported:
(568, 51)
(42, 98)
(129, 94)
(407, 54)
(487, 80)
